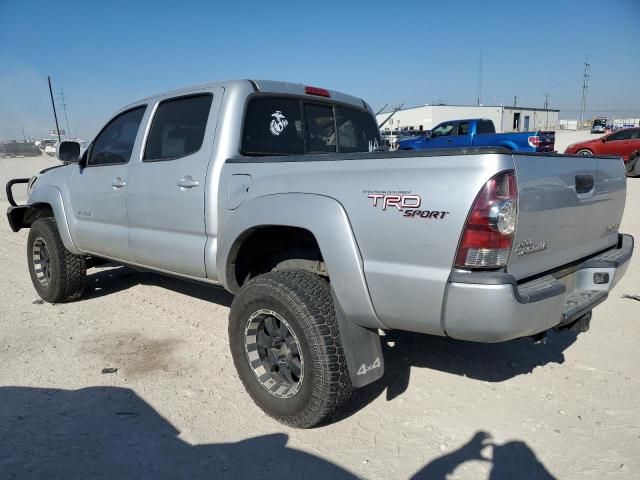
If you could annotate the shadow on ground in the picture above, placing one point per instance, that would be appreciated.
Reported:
(113, 278)
(109, 432)
(495, 362)
(508, 461)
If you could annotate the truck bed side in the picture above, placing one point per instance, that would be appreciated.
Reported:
(406, 210)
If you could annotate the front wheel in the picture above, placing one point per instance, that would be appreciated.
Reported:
(56, 274)
(585, 153)
(287, 349)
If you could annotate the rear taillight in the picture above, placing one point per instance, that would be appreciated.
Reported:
(534, 141)
(488, 234)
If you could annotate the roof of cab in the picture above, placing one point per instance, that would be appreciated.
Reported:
(269, 86)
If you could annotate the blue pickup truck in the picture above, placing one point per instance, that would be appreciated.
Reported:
(479, 132)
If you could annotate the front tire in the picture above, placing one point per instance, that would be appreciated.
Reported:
(585, 153)
(287, 349)
(56, 274)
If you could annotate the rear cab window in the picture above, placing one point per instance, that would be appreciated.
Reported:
(178, 127)
(287, 125)
(485, 126)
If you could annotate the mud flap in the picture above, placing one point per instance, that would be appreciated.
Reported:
(362, 349)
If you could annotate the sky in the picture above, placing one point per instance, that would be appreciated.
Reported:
(104, 55)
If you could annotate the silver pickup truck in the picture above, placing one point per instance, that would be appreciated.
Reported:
(280, 193)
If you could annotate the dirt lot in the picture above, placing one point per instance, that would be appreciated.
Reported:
(568, 409)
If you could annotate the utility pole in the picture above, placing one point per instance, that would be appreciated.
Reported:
(24, 137)
(480, 80)
(585, 87)
(515, 100)
(64, 106)
(546, 109)
(55, 115)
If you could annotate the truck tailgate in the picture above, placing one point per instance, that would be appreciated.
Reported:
(569, 207)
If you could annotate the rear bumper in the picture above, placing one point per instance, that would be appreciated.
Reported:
(493, 307)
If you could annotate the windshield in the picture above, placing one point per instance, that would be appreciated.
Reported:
(297, 126)
(600, 122)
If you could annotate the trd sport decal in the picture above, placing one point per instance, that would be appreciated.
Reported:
(403, 201)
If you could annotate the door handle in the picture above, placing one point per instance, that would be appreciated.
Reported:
(449, 141)
(118, 183)
(188, 182)
(584, 183)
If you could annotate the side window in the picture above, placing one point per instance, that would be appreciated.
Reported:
(463, 128)
(443, 130)
(321, 128)
(357, 130)
(272, 126)
(178, 127)
(485, 126)
(114, 143)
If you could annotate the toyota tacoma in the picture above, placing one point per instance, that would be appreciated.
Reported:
(280, 193)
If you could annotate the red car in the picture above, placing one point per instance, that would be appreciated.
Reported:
(625, 143)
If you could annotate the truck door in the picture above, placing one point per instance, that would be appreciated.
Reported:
(443, 135)
(166, 196)
(98, 191)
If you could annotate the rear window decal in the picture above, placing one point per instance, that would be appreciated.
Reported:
(278, 123)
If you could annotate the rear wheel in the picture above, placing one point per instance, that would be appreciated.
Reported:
(56, 274)
(287, 349)
(585, 153)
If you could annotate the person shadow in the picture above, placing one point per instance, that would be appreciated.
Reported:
(510, 461)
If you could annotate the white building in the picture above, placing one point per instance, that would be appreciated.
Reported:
(506, 119)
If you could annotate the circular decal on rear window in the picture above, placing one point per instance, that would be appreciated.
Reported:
(278, 123)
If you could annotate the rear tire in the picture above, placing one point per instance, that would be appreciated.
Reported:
(289, 315)
(56, 274)
(585, 153)
(633, 170)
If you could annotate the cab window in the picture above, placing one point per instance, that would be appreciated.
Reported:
(444, 130)
(463, 128)
(114, 143)
(621, 135)
(178, 127)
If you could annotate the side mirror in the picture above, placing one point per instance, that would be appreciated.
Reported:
(68, 151)
(603, 139)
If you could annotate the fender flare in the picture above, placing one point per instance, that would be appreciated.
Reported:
(327, 220)
(52, 196)
(508, 144)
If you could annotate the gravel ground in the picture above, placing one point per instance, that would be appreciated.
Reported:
(567, 409)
